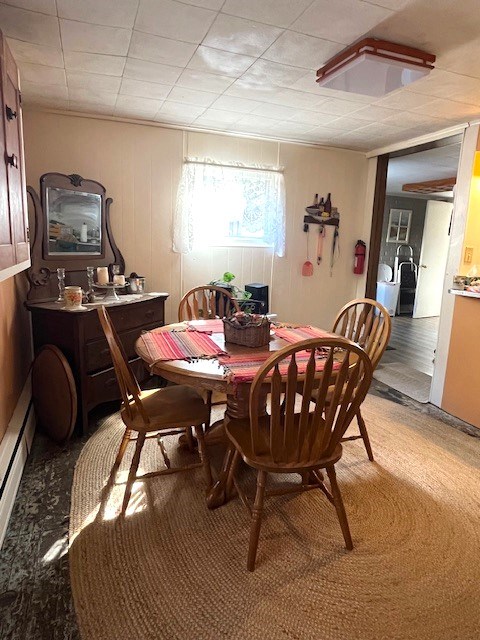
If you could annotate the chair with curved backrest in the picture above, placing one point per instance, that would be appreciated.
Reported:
(305, 441)
(206, 302)
(152, 413)
(203, 303)
(367, 323)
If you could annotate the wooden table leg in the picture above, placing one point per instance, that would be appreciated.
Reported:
(237, 407)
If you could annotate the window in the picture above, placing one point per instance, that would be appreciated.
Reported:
(230, 206)
(399, 225)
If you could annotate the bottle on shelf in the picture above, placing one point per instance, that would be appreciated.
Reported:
(321, 205)
(328, 203)
(315, 201)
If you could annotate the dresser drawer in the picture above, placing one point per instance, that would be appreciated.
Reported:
(97, 353)
(127, 316)
(103, 386)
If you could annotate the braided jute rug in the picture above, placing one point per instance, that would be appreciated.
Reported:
(173, 570)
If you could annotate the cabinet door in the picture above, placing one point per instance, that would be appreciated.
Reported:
(7, 242)
(15, 162)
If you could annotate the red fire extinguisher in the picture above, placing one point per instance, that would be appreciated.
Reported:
(360, 252)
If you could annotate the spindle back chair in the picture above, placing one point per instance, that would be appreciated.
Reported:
(305, 440)
(160, 412)
(206, 303)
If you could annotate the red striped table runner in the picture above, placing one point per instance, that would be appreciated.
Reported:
(295, 334)
(206, 326)
(179, 345)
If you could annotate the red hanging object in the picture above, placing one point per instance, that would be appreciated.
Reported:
(360, 253)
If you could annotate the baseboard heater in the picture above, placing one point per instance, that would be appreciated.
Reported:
(14, 449)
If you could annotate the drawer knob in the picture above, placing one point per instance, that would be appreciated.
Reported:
(12, 161)
(10, 113)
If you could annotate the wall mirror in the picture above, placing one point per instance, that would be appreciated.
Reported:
(71, 230)
(398, 229)
(74, 222)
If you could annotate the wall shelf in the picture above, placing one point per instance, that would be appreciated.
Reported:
(314, 220)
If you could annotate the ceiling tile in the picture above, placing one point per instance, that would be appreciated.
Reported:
(280, 13)
(206, 81)
(86, 95)
(29, 26)
(111, 13)
(151, 71)
(346, 123)
(256, 123)
(174, 111)
(94, 63)
(337, 107)
(52, 103)
(299, 99)
(215, 5)
(88, 107)
(273, 73)
(451, 86)
(36, 53)
(222, 62)
(253, 90)
(31, 90)
(403, 99)
(275, 111)
(42, 6)
(373, 113)
(440, 108)
(341, 21)
(395, 5)
(130, 106)
(239, 105)
(175, 20)
(190, 96)
(217, 115)
(163, 50)
(407, 119)
(313, 118)
(39, 74)
(291, 128)
(91, 38)
(301, 50)
(92, 81)
(143, 89)
(240, 36)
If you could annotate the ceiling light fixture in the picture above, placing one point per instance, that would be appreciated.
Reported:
(374, 67)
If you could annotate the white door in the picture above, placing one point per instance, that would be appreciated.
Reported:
(433, 259)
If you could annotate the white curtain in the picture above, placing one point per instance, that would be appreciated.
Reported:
(221, 205)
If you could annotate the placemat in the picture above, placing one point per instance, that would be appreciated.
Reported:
(179, 345)
(295, 334)
(206, 326)
(244, 367)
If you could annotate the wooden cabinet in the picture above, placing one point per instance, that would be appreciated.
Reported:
(79, 336)
(14, 245)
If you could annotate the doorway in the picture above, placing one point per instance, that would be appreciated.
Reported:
(413, 226)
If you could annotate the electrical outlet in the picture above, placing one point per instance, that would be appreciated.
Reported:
(468, 255)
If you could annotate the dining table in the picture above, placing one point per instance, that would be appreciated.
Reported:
(212, 374)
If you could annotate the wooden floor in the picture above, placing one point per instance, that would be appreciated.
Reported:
(414, 341)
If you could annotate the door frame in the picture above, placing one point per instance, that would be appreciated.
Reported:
(379, 198)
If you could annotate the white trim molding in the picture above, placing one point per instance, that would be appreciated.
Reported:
(14, 449)
(9, 272)
(457, 234)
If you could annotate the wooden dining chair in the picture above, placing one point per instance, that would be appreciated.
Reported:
(306, 441)
(206, 303)
(203, 303)
(367, 323)
(153, 413)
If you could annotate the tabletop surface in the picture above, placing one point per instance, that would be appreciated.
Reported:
(53, 305)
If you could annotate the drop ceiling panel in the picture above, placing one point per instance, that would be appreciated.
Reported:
(244, 65)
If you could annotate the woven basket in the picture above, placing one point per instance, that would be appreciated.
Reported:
(251, 335)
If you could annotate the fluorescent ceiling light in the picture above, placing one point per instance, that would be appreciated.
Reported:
(374, 68)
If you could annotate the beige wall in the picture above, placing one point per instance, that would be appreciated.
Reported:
(140, 166)
(15, 346)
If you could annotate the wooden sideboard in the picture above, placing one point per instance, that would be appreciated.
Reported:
(79, 336)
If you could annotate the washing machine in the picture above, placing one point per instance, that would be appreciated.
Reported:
(387, 291)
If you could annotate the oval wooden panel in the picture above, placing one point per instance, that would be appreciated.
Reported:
(54, 393)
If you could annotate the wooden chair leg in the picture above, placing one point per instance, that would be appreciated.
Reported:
(209, 405)
(121, 452)
(256, 519)
(202, 450)
(166, 459)
(232, 472)
(364, 434)
(132, 474)
(340, 509)
(190, 440)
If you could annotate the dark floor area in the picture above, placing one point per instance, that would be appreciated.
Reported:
(35, 596)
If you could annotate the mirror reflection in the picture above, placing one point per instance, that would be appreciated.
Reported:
(74, 222)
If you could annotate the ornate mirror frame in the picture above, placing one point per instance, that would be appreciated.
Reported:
(42, 274)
